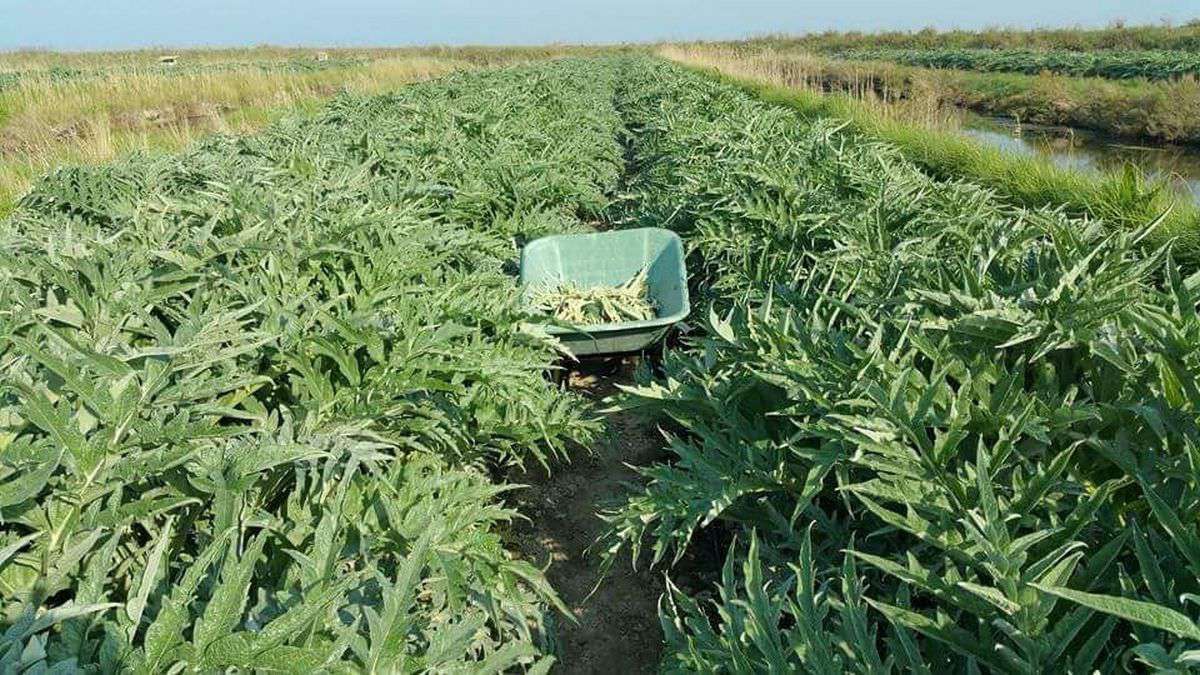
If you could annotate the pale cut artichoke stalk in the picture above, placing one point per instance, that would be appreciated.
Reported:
(574, 304)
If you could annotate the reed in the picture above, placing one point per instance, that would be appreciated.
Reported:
(888, 92)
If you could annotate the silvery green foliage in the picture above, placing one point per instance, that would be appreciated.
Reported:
(251, 394)
(949, 435)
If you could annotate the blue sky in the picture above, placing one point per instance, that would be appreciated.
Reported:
(107, 24)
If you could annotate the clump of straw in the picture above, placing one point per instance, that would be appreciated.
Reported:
(572, 303)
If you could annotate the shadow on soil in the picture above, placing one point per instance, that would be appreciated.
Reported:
(616, 629)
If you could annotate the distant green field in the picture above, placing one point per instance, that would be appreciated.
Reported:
(1184, 37)
(1112, 64)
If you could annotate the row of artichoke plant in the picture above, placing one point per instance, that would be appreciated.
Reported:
(253, 397)
(942, 434)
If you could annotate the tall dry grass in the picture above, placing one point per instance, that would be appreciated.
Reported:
(45, 123)
(889, 92)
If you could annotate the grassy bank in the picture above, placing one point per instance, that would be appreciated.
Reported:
(1140, 110)
(1122, 200)
(46, 122)
(1158, 111)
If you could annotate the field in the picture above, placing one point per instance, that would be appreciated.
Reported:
(301, 411)
(60, 109)
(268, 402)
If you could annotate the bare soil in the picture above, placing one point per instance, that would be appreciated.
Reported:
(616, 628)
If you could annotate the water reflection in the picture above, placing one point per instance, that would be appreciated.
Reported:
(1078, 149)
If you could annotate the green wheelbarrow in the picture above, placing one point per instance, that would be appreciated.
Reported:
(610, 259)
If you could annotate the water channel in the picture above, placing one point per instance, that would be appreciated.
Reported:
(1087, 151)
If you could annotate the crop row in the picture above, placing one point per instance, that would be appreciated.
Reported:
(252, 394)
(1118, 64)
(943, 435)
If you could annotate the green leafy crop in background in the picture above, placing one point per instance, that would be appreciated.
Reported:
(1113, 64)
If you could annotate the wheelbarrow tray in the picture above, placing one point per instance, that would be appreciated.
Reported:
(610, 259)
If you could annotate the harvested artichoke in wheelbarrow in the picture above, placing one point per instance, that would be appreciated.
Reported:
(594, 305)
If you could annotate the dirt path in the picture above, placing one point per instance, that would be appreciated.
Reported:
(616, 628)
